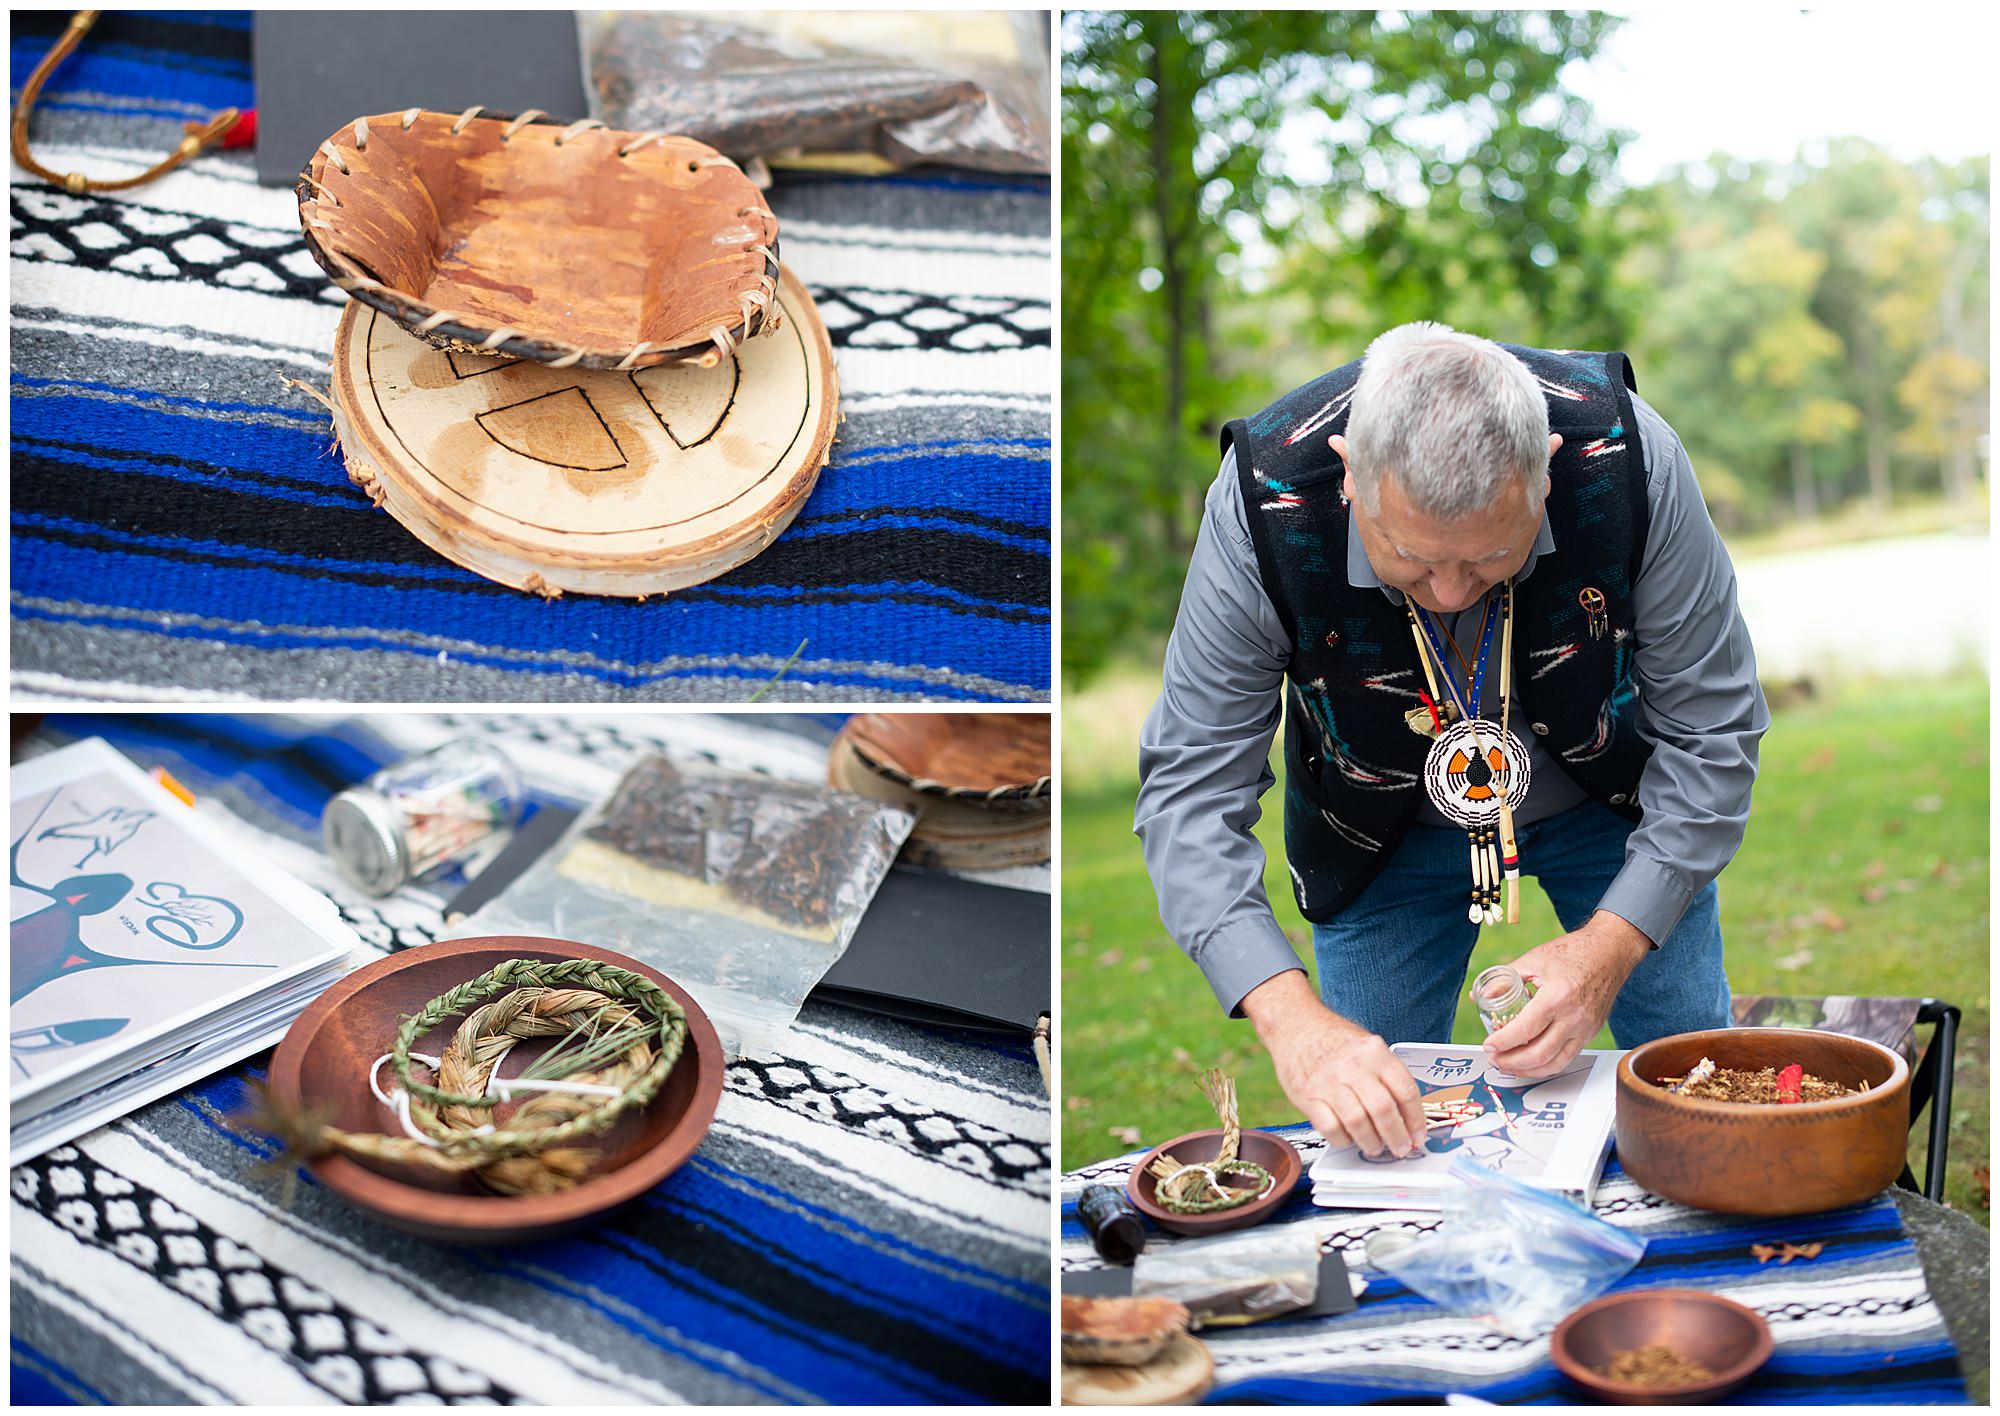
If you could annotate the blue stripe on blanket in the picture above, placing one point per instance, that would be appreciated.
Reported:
(580, 1287)
(357, 616)
(1035, 1292)
(89, 428)
(250, 638)
(123, 72)
(339, 494)
(1684, 1248)
(850, 1260)
(37, 1379)
(788, 1348)
(109, 427)
(927, 556)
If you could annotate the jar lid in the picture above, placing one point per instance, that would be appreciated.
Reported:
(364, 835)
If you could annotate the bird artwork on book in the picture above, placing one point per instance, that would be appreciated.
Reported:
(120, 924)
(1548, 1131)
(90, 892)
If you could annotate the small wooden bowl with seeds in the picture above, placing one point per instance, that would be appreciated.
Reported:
(1764, 1158)
(1674, 1346)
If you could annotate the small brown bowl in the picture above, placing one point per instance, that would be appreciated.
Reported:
(985, 757)
(1732, 1341)
(323, 1064)
(1274, 1153)
(1773, 1159)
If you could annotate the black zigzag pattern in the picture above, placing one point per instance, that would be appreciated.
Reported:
(153, 244)
(821, 1092)
(332, 1346)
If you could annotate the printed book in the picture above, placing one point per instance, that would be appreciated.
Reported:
(1553, 1133)
(145, 948)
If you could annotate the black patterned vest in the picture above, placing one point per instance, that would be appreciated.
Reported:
(1353, 768)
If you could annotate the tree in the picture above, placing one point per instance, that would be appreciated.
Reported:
(1247, 196)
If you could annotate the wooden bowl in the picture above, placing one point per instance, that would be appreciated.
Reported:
(1179, 1376)
(1274, 1153)
(555, 242)
(1732, 1341)
(1764, 1159)
(1118, 1332)
(323, 1062)
(988, 756)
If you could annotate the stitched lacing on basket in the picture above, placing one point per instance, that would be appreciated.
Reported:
(750, 303)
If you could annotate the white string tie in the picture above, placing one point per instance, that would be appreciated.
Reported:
(521, 122)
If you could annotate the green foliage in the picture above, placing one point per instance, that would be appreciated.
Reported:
(1245, 194)
(1248, 198)
(1865, 870)
(1837, 300)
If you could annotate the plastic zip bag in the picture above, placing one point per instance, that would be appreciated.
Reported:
(1508, 1252)
(1239, 1279)
(743, 889)
(871, 91)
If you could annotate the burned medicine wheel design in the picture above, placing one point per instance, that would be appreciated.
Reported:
(1472, 768)
(593, 481)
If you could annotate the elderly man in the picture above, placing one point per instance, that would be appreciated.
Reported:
(1482, 582)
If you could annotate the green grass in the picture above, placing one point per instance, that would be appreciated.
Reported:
(1864, 871)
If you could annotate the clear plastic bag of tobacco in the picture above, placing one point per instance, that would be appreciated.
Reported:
(1505, 1251)
(1237, 1278)
(743, 889)
(867, 91)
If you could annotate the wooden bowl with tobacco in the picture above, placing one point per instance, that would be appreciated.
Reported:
(495, 1090)
(1765, 1121)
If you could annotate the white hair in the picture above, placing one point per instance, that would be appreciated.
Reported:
(1450, 416)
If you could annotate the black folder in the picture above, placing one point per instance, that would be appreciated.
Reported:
(949, 952)
(319, 69)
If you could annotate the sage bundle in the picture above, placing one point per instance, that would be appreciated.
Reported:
(1185, 1187)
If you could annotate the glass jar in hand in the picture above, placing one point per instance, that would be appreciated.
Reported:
(1500, 993)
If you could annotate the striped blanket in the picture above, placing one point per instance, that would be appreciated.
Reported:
(1855, 1326)
(181, 533)
(867, 1220)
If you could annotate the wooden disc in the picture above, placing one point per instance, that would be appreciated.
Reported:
(588, 480)
(1177, 1377)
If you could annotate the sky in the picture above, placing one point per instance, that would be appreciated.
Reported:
(1756, 80)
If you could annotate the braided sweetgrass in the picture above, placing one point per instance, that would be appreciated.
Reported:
(618, 1029)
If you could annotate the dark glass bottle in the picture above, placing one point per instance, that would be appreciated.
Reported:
(1116, 1230)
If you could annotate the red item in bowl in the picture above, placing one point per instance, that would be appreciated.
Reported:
(1789, 1082)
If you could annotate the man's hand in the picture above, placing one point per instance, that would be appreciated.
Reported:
(1576, 978)
(1340, 1076)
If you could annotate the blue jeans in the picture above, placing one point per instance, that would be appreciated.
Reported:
(1395, 959)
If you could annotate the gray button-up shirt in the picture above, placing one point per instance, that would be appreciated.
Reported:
(1205, 749)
